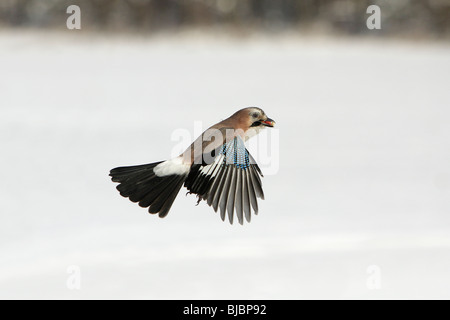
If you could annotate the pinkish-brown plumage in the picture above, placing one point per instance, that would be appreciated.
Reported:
(208, 168)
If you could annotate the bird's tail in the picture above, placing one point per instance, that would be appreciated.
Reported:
(153, 185)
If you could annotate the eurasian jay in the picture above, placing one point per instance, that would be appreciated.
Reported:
(216, 167)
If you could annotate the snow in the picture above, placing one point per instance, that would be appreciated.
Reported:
(360, 174)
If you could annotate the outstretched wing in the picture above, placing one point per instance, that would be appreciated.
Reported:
(230, 182)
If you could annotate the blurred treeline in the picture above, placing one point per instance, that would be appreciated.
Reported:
(429, 18)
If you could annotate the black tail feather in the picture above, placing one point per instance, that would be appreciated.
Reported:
(121, 174)
(140, 184)
(170, 199)
(166, 198)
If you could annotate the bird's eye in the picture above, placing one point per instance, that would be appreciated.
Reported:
(255, 115)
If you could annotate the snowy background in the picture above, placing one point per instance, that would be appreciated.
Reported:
(363, 177)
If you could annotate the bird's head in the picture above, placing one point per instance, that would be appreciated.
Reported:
(253, 117)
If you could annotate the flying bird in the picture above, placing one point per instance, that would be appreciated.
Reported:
(216, 167)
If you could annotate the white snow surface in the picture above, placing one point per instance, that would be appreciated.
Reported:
(363, 177)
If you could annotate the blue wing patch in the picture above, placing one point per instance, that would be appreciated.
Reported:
(236, 153)
(232, 182)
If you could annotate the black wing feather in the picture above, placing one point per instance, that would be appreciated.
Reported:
(231, 182)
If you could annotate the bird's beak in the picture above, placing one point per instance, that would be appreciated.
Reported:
(268, 123)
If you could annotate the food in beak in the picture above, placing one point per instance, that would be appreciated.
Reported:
(269, 122)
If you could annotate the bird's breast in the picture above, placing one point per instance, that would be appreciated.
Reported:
(251, 132)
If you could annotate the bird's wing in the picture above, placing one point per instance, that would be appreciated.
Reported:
(230, 182)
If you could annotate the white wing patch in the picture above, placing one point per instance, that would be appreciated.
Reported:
(211, 169)
(171, 167)
(230, 183)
